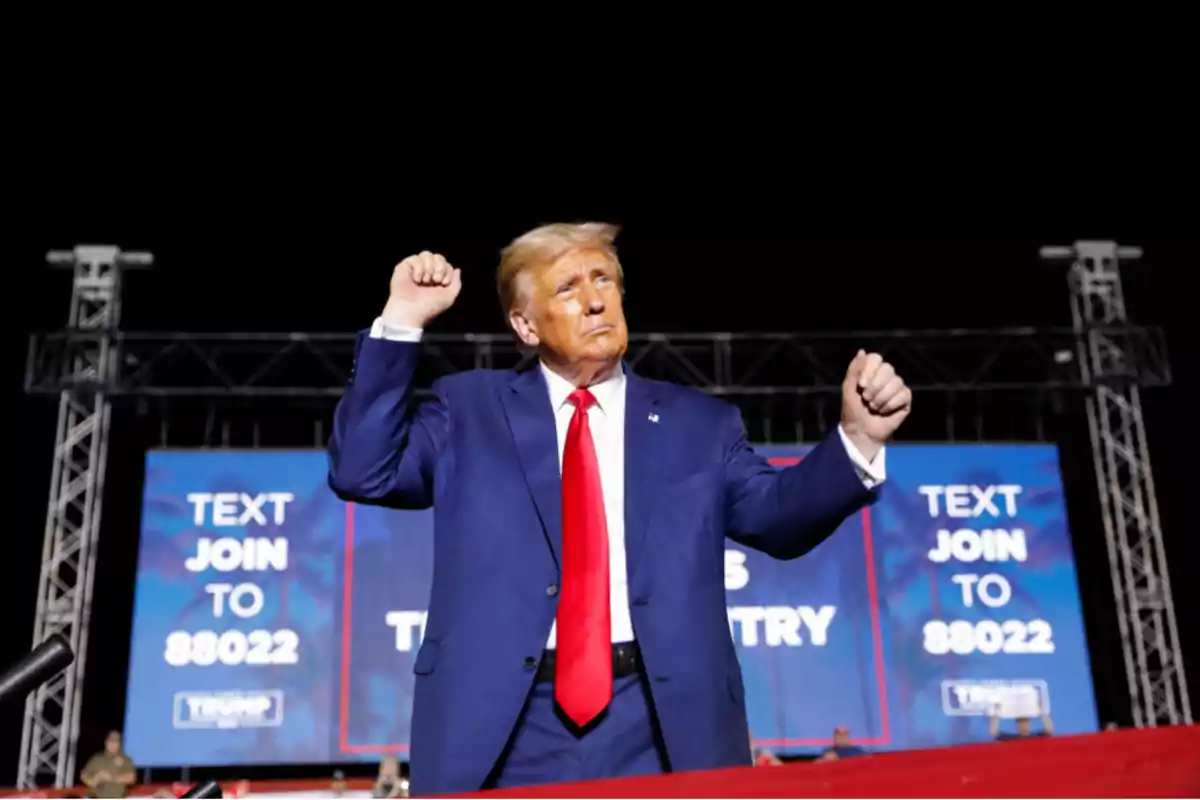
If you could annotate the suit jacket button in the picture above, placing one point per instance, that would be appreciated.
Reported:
(530, 662)
(552, 589)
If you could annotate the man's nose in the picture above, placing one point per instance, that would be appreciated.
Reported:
(593, 299)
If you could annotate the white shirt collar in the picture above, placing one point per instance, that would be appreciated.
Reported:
(606, 392)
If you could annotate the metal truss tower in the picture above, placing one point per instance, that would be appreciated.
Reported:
(1111, 367)
(51, 728)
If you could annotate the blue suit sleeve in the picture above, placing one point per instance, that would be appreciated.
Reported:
(785, 513)
(385, 446)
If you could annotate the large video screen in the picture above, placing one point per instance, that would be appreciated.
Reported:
(274, 623)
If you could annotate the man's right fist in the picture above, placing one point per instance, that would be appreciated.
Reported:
(423, 286)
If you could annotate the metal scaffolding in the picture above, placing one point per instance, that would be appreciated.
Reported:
(1111, 367)
(51, 726)
(734, 365)
(279, 389)
(784, 382)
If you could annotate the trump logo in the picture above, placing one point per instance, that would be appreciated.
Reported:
(251, 709)
(1016, 698)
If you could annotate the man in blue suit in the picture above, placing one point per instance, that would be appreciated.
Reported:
(577, 627)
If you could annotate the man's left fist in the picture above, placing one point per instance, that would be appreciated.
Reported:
(874, 402)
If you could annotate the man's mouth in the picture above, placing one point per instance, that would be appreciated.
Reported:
(599, 329)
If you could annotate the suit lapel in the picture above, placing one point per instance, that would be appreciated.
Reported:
(644, 436)
(531, 420)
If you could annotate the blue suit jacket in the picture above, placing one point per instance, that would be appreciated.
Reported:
(483, 453)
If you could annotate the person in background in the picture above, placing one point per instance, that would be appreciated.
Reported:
(762, 756)
(110, 772)
(337, 787)
(842, 746)
(1024, 727)
(389, 783)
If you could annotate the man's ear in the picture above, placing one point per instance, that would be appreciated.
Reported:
(524, 328)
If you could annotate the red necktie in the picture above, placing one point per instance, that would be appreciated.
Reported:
(583, 669)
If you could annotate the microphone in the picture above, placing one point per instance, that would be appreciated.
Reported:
(43, 662)
(206, 789)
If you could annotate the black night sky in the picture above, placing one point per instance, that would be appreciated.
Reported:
(766, 181)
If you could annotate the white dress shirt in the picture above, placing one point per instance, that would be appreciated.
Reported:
(606, 419)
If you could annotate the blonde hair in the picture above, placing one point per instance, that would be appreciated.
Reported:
(546, 244)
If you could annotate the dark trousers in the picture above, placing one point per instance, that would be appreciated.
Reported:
(547, 748)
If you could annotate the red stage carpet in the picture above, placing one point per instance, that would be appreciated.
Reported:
(1154, 763)
(1164, 762)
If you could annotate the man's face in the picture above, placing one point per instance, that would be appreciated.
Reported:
(113, 743)
(1023, 726)
(572, 310)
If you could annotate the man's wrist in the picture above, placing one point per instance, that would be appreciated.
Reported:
(399, 315)
(867, 447)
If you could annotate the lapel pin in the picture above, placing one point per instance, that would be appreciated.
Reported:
(653, 417)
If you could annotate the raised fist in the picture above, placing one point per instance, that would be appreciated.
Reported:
(875, 400)
(422, 287)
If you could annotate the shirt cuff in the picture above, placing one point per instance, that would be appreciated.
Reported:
(381, 330)
(872, 473)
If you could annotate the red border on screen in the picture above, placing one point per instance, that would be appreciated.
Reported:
(876, 638)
